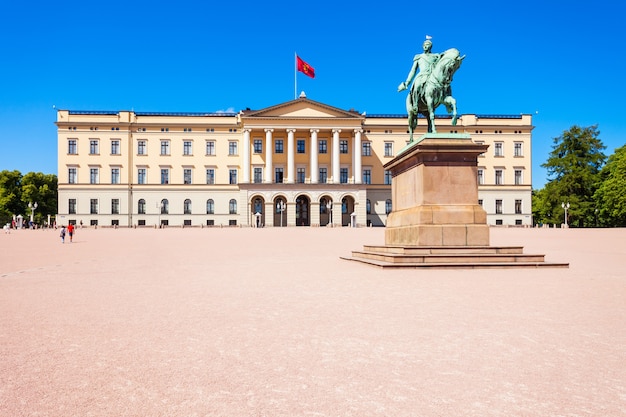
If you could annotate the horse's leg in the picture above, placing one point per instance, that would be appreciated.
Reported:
(450, 103)
(412, 112)
(431, 116)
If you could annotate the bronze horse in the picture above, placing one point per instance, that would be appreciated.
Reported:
(436, 90)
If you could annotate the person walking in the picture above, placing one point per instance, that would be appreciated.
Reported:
(62, 234)
(70, 231)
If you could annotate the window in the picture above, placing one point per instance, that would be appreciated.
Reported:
(498, 206)
(165, 206)
(72, 175)
(141, 147)
(343, 175)
(71, 206)
(279, 146)
(388, 206)
(115, 175)
(165, 147)
(115, 206)
(301, 146)
(187, 150)
(210, 148)
(278, 175)
(232, 148)
(480, 142)
(115, 147)
(187, 176)
(343, 146)
(498, 149)
(232, 176)
(187, 206)
(367, 176)
(368, 206)
(141, 206)
(387, 177)
(518, 177)
(93, 147)
(141, 175)
(258, 205)
(258, 146)
(518, 206)
(367, 149)
(93, 175)
(165, 176)
(323, 146)
(388, 148)
(258, 175)
(71, 147)
(210, 206)
(481, 176)
(210, 176)
(323, 175)
(480, 202)
(323, 203)
(93, 206)
(300, 175)
(517, 149)
(232, 206)
(498, 177)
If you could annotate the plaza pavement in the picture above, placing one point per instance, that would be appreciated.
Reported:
(270, 322)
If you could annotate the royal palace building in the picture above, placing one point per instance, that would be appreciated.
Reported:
(299, 163)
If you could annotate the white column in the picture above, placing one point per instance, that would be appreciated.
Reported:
(268, 155)
(336, 156)
(314, 157)
(246, 156)
(291, 164)
(358, 174)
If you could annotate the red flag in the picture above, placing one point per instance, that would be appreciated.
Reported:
(305, 68)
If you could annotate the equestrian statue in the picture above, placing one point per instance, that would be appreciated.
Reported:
(431, 86)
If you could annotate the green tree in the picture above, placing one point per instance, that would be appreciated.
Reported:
(610, 197)
(10, 195)
(41, 189)
(573, 171)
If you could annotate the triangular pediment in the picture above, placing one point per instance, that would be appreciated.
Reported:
(301, 108)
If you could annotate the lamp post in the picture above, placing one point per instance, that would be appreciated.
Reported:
(565, 206)
(329, 207)
(32, 208)
(281, 208)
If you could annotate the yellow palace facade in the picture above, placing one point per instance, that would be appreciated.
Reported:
(299, 163)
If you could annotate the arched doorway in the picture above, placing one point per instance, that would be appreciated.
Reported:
(325, 211)
(280, 212)
(257, 207)
(347, 208)
(303, 214)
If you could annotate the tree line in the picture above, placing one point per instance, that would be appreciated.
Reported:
(579, 173)
(17, 190)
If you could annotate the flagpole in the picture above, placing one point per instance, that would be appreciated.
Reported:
(295, 75)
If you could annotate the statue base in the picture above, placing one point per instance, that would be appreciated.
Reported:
(437, 221)
(435, 193)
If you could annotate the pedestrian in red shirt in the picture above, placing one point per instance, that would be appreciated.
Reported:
(70, 231)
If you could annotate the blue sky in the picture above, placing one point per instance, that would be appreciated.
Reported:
(561, 61)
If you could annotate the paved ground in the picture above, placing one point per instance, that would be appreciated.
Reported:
(270, 322)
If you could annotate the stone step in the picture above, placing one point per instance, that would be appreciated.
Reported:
(476, 264)
(434, 250)
(448, 257)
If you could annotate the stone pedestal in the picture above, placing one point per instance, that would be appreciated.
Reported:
(435, 194)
